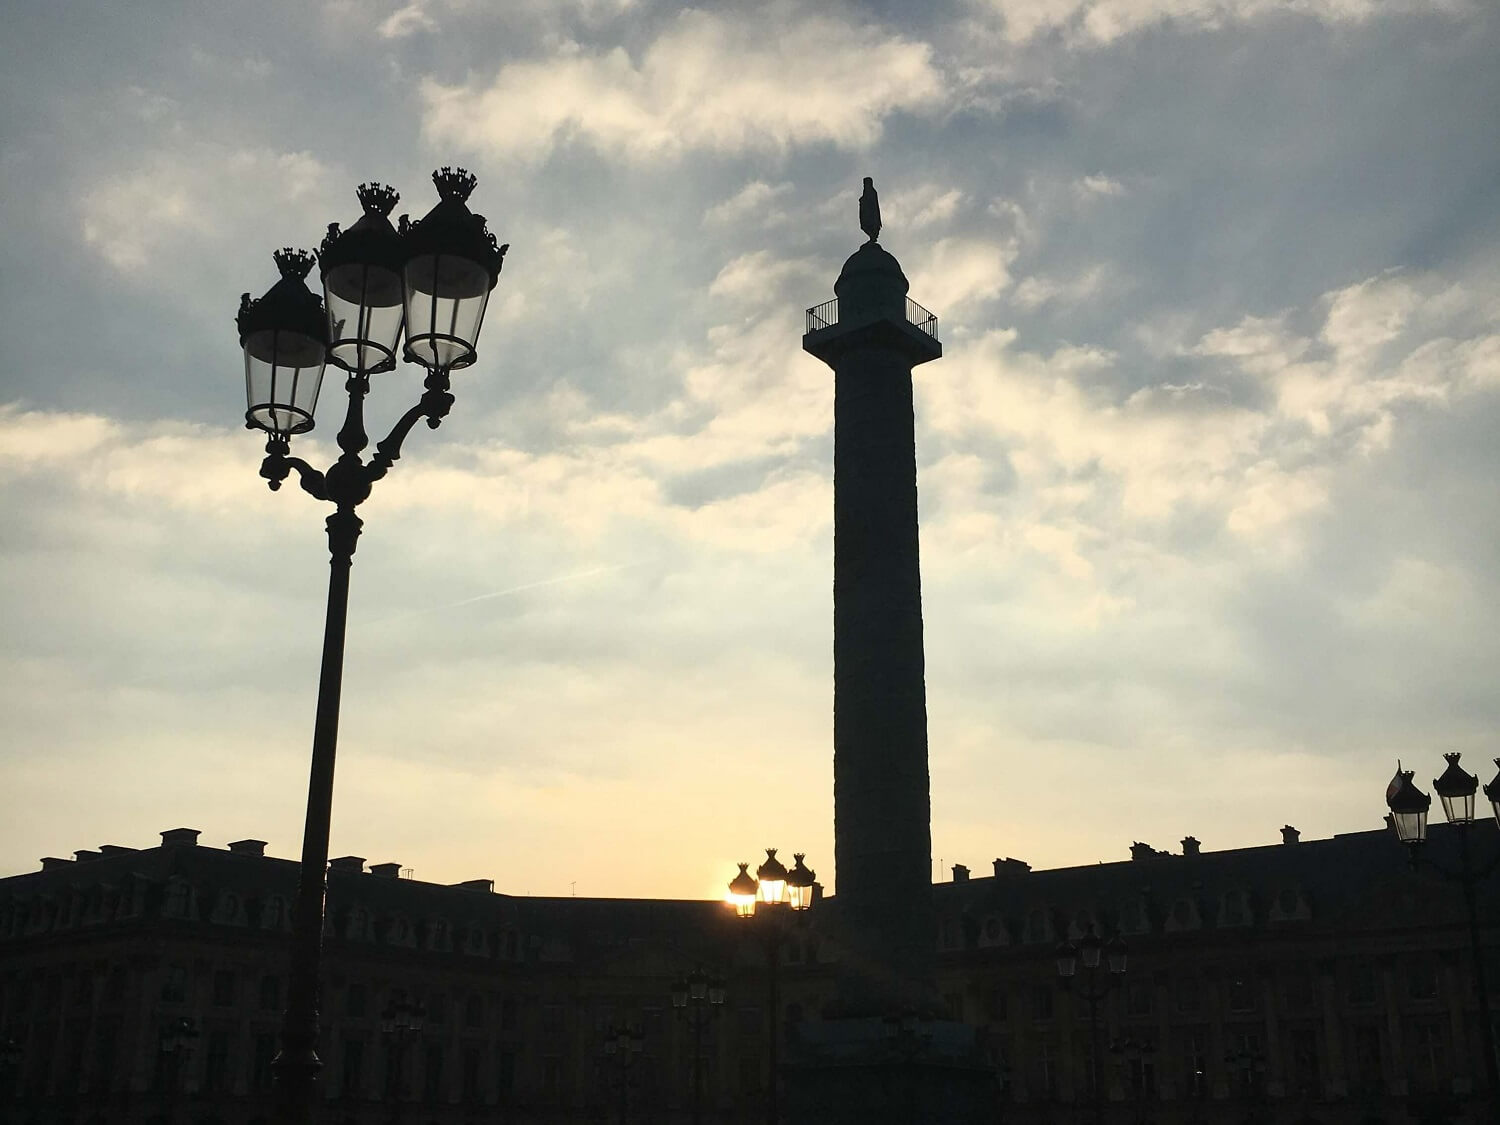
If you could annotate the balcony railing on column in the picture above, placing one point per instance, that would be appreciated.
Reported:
(826, 315)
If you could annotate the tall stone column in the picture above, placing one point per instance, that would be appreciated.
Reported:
(882, 808)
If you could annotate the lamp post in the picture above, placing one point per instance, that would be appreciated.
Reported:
(401, 1024)
(703, 997)
(623, 1044)
(175, 1042)
(771, 892)
(1089, 950)
(431, 279)
(1408, 804)
(1138, 1056)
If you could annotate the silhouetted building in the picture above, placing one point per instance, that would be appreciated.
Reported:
(1308, 981)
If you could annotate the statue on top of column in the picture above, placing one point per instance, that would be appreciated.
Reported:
(869, 210)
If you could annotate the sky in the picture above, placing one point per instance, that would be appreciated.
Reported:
(1207, 473)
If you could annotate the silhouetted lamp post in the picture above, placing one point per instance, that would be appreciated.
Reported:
(431, 278)
(401, 1024)
(1408, 804)
(772, 890)
(702, 997)
(1089, 951)
(623, 1046)
(175, 1043)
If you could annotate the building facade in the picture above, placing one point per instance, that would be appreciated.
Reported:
(1306, 981)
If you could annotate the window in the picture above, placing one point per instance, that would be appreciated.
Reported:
(260, 1068)
(355, 999)
(1359, 986)
(1189, 996)
(474, 1011)
(551, 1076)
(354, 1063)
(1041, 1002)
(1299, 991)
(552, 1019)
(270, 993)
(1046, 1068)
(432, 1075)
(1427, 1052)
(505, 1075)
(223, 988)
(472, 1093)
(995, 1005)
(216, 1063)
(1138, 997)
(1195, 1062)
(437, 1007)
(1365, 1054)
(174, 985)
(1421, 980)
(1241, 994)
(1304, 1062)
(507, 1013)
(751, 1021)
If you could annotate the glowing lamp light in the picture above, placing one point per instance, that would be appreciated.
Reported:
(742, 889)
(800, 881)
(772, 877)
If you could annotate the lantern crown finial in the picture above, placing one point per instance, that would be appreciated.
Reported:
(377, 199)
(292, 263)
(454, 184)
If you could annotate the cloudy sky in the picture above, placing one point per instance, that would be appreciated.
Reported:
(1208, 472)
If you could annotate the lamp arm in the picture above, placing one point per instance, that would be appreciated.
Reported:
(433, 405)
(278, 466)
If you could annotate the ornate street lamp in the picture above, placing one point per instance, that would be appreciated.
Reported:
(1093, 990)
(400, 1024)
(698, 997)
(432, 278)
(623, 1045)
(1408, 816)
(768, 888)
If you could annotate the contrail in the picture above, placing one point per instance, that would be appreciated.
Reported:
(505, 593)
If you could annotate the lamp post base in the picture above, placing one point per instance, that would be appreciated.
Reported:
(908, 1073)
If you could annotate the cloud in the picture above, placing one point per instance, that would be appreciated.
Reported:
(753, 203)
(1099, 22)
(407, 21)
(711, 81)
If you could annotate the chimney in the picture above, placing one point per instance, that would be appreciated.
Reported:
(477, 885)
(1010, 867)
(115, 849)
(960, 873)
(52, 863)
(248, 847)
(1190, 845)
(354, 864)
(1290, 835)
(85, 855)
(1139, 851)
(386, 870)
(180, 837)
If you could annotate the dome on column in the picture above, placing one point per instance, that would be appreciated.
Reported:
(871, 286)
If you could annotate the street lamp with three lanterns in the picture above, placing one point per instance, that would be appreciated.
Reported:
(770, 893)
(1408, 805)
(431, 280)
(1091, 950)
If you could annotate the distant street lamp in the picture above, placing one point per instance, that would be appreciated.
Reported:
(401, 1025)
(175, 1042)
(703, 997)
(431, 278)
(772, 891)
(1408, 817)
(623, 1045)
(1093, 988)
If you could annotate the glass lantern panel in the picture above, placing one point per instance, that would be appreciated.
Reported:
(283, 372)
(445, 300)
(1411, 827)
(801, 897)
(365, 314)
(1089, 954)
(773, 890)
(1067, 965)
(1117, 961)
(1458, 810)
(744, 905)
